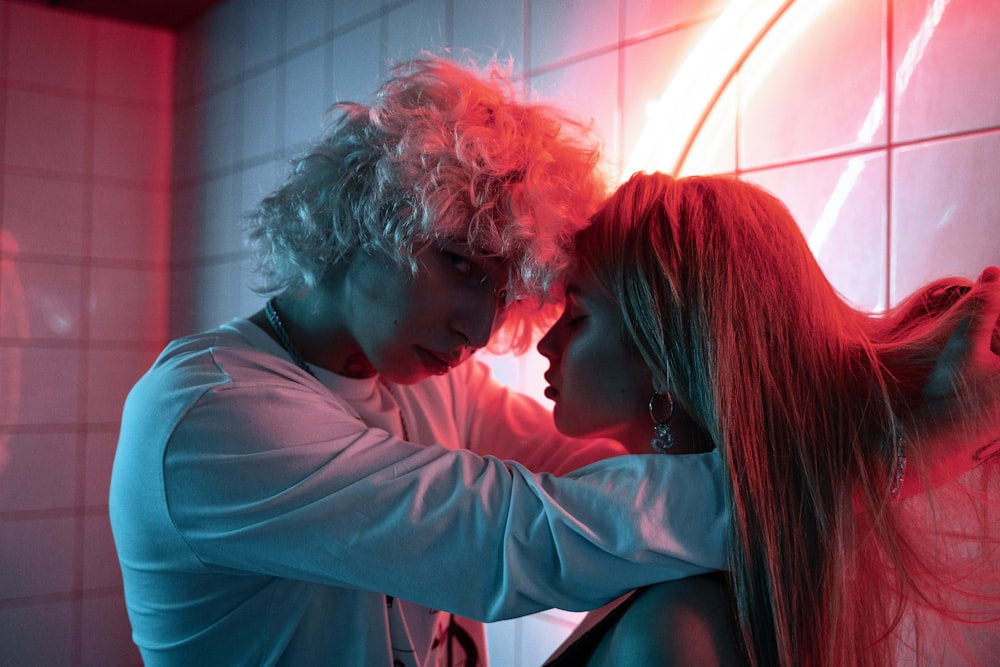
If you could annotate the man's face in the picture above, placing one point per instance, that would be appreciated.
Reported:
(412, 326)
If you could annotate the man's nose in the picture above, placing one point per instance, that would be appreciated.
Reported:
(477, 319)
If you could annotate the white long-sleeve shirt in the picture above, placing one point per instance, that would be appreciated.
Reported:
(262, 515)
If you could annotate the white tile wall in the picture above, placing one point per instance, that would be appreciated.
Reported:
(261, 27)
(47, 568)
(34, 221)
(355, 12)
(128, 78)
(127, 304)
(306, 22)
(218, 203)
(591, 84)
(259, 110)
(51, 302)
(306, 97)
(946, 210)
(30, 26)
(945, 60)
(816, 98)
(713, 150)
(63, 147)
(840, 204)
(485, 28)
(356, 63)
(131, 143)
(130, 223)
(107, 637)
(419, 25)
(221, 123)
(43, 382)
(219, 39)
(644, 18)
(566, 29)
(43, 620)
(85, 134)
(31, 482)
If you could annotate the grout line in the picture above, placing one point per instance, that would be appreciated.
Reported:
(83, 358)
(4, 41)
(98, 593)
(890, 151)
(619, 120)
(525, 75)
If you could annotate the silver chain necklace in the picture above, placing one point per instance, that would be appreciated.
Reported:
(293, 352)
(286, 342)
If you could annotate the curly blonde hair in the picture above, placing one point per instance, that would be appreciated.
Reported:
(444, 151)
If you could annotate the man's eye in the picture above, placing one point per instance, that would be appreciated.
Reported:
(462, 264)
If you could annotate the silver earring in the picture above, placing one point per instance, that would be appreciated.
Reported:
(663, 437)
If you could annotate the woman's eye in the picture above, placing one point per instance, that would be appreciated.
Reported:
(573, 316)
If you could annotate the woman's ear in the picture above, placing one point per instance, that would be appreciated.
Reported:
(659, 383)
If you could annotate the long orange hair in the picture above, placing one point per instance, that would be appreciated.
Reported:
(813, 405)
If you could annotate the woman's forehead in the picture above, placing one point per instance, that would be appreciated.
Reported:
(583, 286)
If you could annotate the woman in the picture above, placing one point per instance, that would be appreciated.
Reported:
(697, 302)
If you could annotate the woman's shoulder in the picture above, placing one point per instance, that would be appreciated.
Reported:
(682, 622)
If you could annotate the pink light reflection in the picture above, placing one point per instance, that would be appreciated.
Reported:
(876, 116)
(769, 31)
(13, 312)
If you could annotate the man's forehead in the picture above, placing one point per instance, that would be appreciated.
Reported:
(485, 257)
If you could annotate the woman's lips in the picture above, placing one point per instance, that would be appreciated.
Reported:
(551, 392)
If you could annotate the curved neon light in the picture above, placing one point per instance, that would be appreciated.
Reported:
(678, 116)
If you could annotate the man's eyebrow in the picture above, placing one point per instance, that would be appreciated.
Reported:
(458, 244)
(491, 263)
(488, 261)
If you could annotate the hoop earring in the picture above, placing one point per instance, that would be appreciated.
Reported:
(663, 437)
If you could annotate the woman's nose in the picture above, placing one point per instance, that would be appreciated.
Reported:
(546, 346)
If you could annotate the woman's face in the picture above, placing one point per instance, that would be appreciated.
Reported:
(599, 383)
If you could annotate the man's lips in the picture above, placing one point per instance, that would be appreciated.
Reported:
(437, 364)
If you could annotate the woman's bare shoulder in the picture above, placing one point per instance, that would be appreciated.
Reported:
(683, 622)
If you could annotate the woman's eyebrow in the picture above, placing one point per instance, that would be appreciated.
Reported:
(572, 294)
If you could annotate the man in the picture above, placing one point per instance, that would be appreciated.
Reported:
(309, 485)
